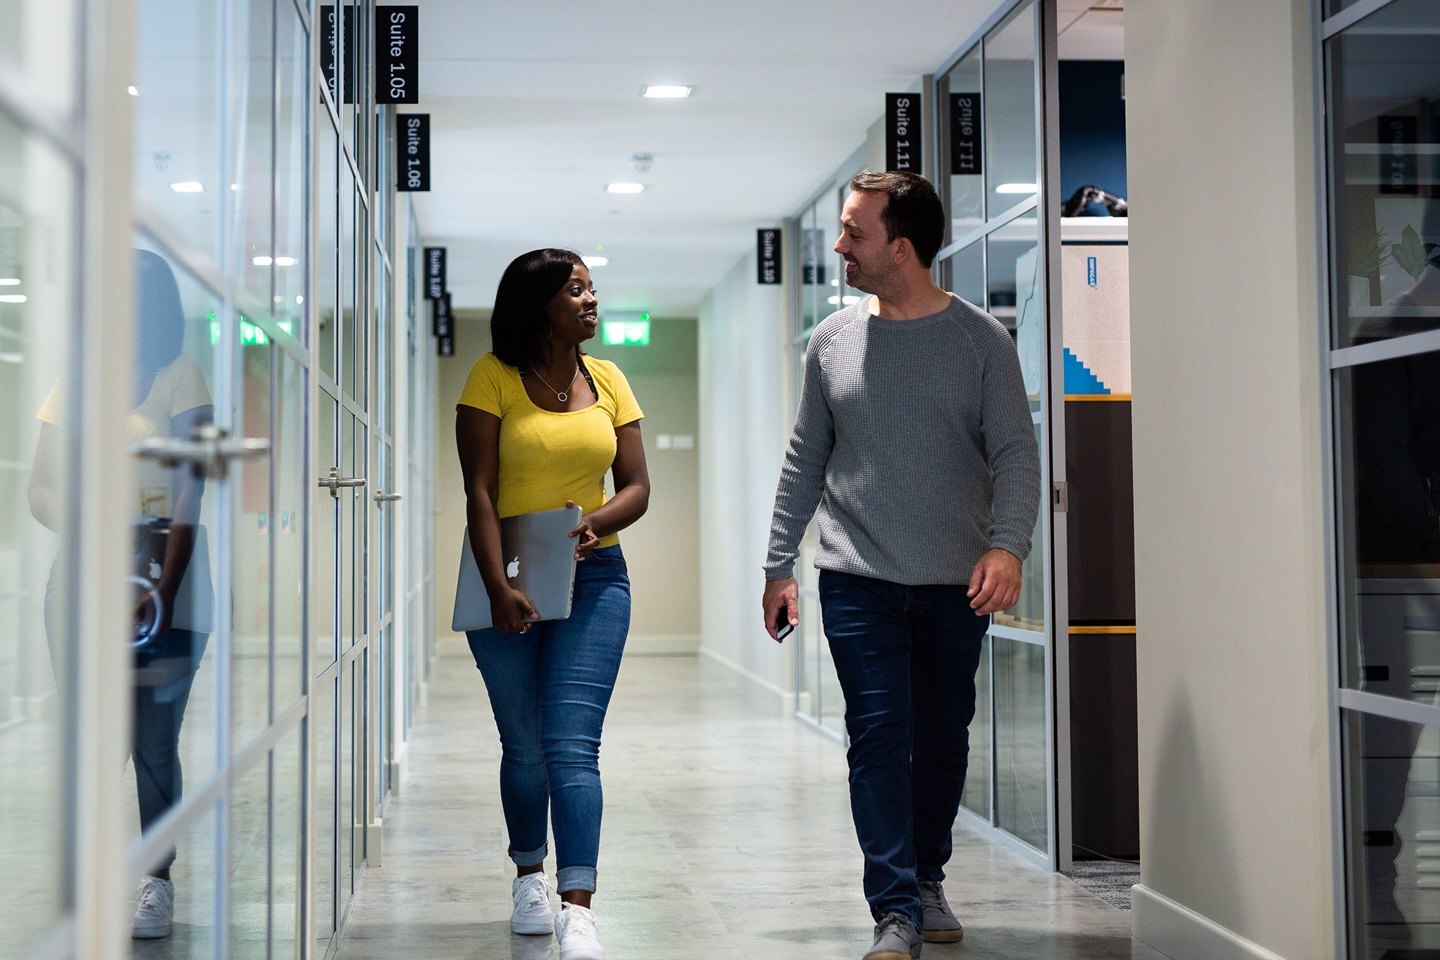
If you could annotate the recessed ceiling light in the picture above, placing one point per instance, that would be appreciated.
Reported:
(666, 91)
(9, 282)
(595, 261)
(625, 188)
(188, 186)
(132, 90)
(1017, 188)
(262, 261)
(13, 298)
(284, 261)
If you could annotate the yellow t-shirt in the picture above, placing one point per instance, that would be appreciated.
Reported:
(547, 458)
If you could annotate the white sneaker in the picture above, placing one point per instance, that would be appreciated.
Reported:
(579, 937)
(532, 914)
(154, 910)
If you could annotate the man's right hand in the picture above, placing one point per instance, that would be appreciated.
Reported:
(781, 595)
(511, 612)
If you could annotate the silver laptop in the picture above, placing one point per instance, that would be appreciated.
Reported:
(539, 560)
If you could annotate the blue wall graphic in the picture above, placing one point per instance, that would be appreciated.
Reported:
(1080, 379)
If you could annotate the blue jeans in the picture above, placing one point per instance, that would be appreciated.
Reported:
(906, 659)
(549, 690)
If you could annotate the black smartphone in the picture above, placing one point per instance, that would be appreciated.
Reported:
(783, 627)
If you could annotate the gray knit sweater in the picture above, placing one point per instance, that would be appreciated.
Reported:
(914, 439)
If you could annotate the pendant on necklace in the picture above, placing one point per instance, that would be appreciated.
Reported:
(562, 397)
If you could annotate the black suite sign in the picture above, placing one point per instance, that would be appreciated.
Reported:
(412, 143)
(442, 322)
(397, 55)
(902, 131)
(330, 48)
(434, 272)
(767, 250)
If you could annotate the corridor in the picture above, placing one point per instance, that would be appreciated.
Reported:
(727, 835)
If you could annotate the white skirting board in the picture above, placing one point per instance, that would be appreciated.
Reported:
(1182, 934)
(785, 700)
(662, 644)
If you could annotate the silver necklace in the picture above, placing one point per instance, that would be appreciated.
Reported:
(561, 395)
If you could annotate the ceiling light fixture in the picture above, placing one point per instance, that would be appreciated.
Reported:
(1017, 188)
(625, 188)
(262, 261)
(13, 298)
(9, 282)
(666, 91)
(285, 261)
(592, 262)
(188, 186)
(132, 90)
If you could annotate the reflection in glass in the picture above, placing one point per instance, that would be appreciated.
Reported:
(285, 840)
(291, 491)
(1393, 814)
(250, 865)
(323, 812)
(173, 612)
(964, 99)
(1385, 161)
(327, 244)
(193, 933)
(292, 118)
(1011, 163)
(1022, 799)
(254, 526)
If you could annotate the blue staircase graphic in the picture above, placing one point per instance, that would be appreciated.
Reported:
(1080, 379)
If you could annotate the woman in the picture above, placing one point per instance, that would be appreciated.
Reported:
(538, 426)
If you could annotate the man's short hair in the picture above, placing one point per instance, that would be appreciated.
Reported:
(912, 210)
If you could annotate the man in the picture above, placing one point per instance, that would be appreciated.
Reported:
(914, 439)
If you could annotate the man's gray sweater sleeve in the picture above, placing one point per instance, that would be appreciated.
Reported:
(802, 478)
(1010, 449)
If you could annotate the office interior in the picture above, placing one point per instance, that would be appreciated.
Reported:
(1209, 728)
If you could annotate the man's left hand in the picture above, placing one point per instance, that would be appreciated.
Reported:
(995, 582)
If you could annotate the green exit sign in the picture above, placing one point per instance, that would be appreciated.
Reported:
(626, 330)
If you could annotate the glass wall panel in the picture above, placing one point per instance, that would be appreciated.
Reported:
(250, 864)
(351, 342)
(1384, 130)
(38, 42)
(1013, 278)
(286, 846)
(327, 237)
(249, 133)
(194, 874)
(1393, 806)
(292, 124)
(178, 114)
(1012, 168)
(1387, 422)
(39, 283)
(292, 488)
(963, 97)
(325, 521)
(1022, 793)
(965, 274)
(322, 813)
(255, 521)
(979, 777)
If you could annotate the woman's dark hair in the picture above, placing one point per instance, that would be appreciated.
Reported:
(159, 318)
(912, 210)
(518, 325)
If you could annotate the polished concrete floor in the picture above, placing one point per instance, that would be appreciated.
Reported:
(727, 835)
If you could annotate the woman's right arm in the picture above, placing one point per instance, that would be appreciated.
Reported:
(477, 439)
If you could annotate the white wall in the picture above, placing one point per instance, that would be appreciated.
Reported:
(1234, 763)
(662, 550)
(745, 424)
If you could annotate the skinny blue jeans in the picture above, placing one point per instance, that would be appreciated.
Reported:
(906, 659)
(549, 689)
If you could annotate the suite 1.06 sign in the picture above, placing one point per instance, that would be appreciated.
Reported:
(412, 142)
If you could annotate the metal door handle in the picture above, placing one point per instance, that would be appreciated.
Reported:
(208, 452)
(333, 482)
(382, 498)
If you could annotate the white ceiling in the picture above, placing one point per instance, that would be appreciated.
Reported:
(536, 107)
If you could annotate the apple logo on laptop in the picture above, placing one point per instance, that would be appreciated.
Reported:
(512, 570)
